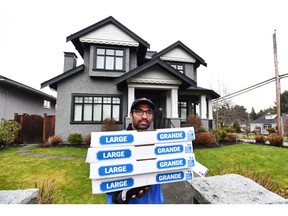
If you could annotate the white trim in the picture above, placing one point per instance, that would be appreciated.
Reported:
(109, 42)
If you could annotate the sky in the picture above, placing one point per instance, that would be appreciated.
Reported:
(234, 37)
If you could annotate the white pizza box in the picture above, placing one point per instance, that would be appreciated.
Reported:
(134, 137)
(100, 186)
(199, 169)
(139, 151)
(130, 167)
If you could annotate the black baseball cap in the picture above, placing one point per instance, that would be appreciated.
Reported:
(141, 101)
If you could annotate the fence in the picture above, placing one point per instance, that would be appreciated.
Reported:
(35, 128)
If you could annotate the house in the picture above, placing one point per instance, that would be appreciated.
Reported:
(18, 98)
(262, 124)
(117, 68)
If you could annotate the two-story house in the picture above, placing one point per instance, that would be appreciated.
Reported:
(117, 68)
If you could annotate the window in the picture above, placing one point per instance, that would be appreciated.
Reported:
(109, 59)
(178, 66)
(47, 104)
(182, 110)
(94, 109)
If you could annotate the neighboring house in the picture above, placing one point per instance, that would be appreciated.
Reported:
(19, 98)
(261, 124)
(119, 68)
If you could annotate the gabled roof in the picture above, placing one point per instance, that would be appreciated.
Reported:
(209, 92)
(4, 81)
(143, 45)
(186, 81)
(199, 60)
(264, 120)
(52, 83)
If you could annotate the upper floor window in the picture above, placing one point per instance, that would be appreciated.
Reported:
(109, 59)
(95, 108)
(178, 66)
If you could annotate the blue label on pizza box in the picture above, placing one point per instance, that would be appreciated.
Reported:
(116, 184)
(171, 163)
(115, 169)
(168, 149)
(114, 154)
(174, 135)
(167, 177)
(117, 139)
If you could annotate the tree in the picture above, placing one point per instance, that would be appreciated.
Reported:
(284, 102)
(253, 116)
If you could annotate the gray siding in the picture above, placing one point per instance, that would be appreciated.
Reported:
(16, 100)
(82, 83)
(190, 71)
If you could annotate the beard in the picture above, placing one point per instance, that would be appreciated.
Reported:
(141, 125)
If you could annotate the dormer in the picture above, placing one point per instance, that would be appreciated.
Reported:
(181, 58)
(108, 48)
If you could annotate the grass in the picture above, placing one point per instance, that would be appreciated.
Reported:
(263, 159)
(70, 178)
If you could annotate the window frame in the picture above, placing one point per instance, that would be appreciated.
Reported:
(105, 55)
(180, 107)
(82, 121)
(176, 64)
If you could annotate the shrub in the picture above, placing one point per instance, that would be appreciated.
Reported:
(109, 124)
(54, 140)
(275, 139)
(259, 138)
(9, 131)
(87, 139)
(220, 134)
(194, 121)
(271, 130)
(75, 139)
(204, 139)
(230, 138)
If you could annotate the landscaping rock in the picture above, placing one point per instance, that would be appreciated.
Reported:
(28, 196)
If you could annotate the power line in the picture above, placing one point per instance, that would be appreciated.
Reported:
(258, 85)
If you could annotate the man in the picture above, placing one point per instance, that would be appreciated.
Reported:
(141, 113)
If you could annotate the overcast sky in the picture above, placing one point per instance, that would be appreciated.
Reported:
(235, 38)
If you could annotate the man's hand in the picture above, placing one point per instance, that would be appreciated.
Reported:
(140, 193)
(123, 197)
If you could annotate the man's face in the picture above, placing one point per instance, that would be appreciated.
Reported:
(142, 122)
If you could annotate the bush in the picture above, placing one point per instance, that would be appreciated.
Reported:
(9, 131)
(275, 139)
(194, 121)
(220, 135)
(75, 139)
(205, 139)
(271, 130)
(54, 140)
(87, 140)
(259, 138)
(230, 138)
(109, 124)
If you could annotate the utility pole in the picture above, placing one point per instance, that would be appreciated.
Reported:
(278, 108)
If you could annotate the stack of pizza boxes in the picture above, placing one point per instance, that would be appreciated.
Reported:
(121, 160)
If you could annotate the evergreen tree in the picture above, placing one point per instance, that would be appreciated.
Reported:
(253, 116)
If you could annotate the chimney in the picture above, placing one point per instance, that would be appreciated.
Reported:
(70, 60)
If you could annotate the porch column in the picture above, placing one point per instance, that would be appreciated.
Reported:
(203, 110)
(174, 103)
(131, 98)
(210, 110)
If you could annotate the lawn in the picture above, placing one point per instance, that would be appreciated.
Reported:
(71, 176)
(263, 159)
